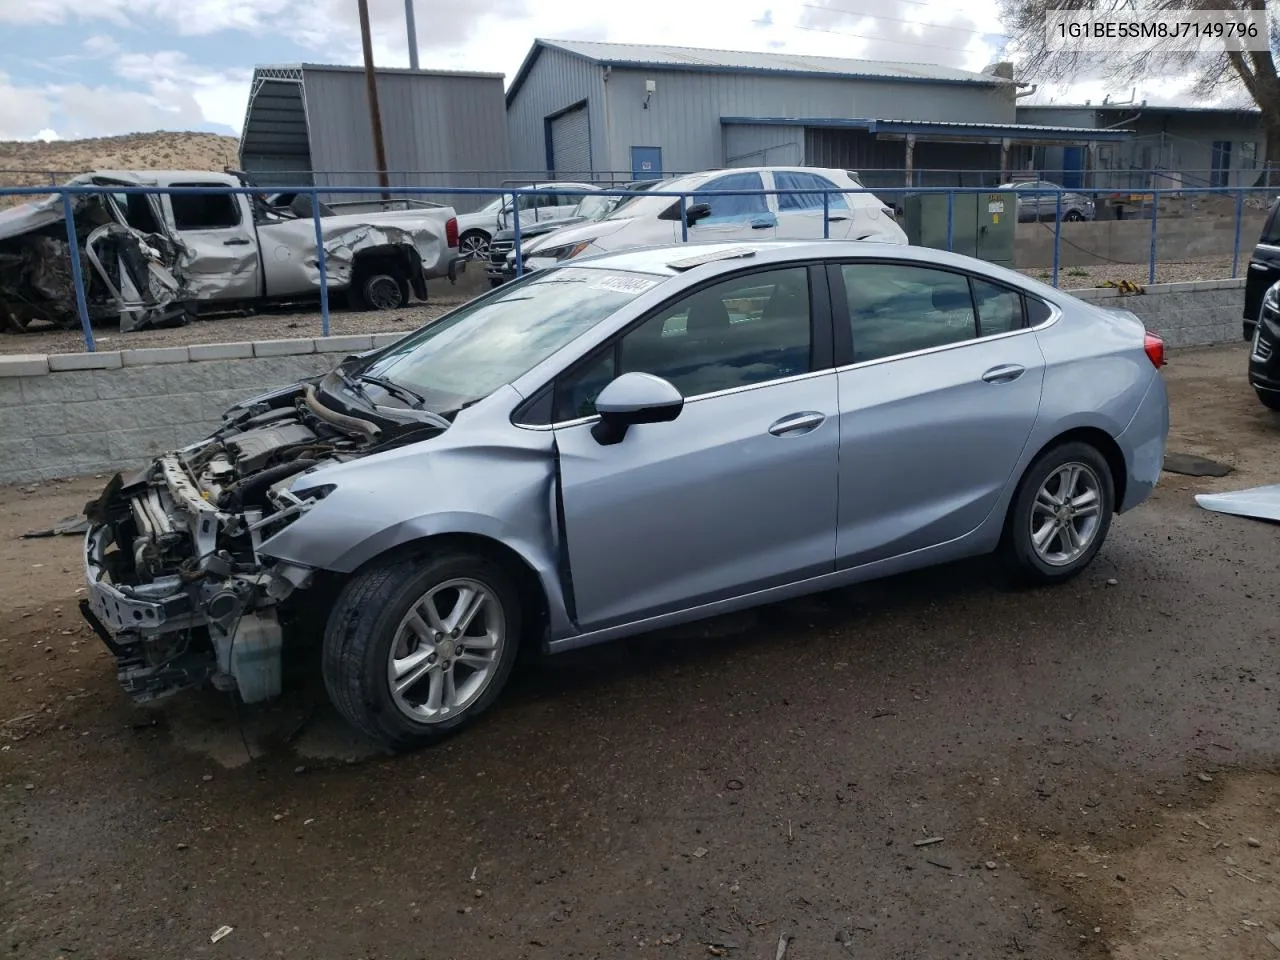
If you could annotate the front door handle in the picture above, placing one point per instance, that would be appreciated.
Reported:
(797, 424)
(761, 224)
(1005, 373)
(236, 242)
(1257, 266)
(836, 217)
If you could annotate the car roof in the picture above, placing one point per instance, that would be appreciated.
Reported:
(673, 259)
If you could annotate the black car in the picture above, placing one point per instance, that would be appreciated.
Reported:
(1262, 311)
(593, 207)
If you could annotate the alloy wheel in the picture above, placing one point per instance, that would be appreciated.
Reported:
(1066, 514)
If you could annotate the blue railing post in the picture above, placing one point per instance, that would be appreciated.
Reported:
(1057, 236)
(1155, 223)
(77, 275)
(826, 215)
(321, 265)
(1235, 250)
(684, 219)
(951, 218)
(515, 226)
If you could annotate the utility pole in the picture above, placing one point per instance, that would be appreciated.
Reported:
(371, 85)
(412, 30)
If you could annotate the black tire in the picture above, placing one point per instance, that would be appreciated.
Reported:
(476, 243)
(1073, 216)
(1269, 399)
(1017, 549)
(362, 628)
(382, 289)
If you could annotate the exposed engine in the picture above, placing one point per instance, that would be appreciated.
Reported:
(178, 589)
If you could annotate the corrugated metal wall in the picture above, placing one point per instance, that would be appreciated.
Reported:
(857, 150)
(683, 116)
(762, 145)
(555, 82)
(430, 122)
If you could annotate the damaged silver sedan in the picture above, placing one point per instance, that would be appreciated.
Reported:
(619, 444)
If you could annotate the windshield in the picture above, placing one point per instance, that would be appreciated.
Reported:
(648, 205)
(595, 207)
(466, 355)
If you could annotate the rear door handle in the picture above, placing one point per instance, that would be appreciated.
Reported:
(236, 242)
(797, 424)
(1005, 373)
(1257, 266)
(836, 217)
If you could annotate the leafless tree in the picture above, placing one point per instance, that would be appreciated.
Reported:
(1215, 73)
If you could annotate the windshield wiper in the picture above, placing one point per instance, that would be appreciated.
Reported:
(410, 397)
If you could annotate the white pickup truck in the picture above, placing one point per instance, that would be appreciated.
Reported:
(154, 258)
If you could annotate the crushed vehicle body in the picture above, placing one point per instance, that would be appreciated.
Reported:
(129, 274)
(154, 258)
(178, 587)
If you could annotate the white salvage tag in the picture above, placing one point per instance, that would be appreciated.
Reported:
(636, 285)
(995, 206)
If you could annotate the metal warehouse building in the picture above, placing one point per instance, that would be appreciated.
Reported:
(578, 109)
(309, 123)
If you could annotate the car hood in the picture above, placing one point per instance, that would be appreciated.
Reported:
(579, 234)
(539, 229)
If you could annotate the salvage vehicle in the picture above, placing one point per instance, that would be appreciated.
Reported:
(619, 444)
(501, 266)
(553, 202)
(715, 217)
(1038, 200)
(158, 256)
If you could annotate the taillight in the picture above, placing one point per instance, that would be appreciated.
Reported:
(451, 231)
(1153, 344)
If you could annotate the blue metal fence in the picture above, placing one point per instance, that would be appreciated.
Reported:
(1238, 194)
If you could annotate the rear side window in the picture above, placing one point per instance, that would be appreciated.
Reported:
(896, 309)
(1037, 312)
(1271, 229)
(204, 211)
(796, 180)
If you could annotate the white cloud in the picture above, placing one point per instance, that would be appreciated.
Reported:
(100, 45)
(47, 135)
(23, 110)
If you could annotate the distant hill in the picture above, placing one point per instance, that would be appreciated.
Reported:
(133, 151)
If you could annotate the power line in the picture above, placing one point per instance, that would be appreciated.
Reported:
(878, 16)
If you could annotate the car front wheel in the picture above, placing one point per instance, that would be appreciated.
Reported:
(1060, 515)
(417, 649)
(1270, 398)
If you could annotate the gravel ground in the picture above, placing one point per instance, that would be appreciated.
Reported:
(1097, 763)
(286, 324)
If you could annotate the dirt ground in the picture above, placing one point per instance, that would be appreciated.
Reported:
(1098, 760)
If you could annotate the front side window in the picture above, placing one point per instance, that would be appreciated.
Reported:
(467, 354)
(738, 207)
(896, 309)
(747, 330)
(796, 180)
(204, 211)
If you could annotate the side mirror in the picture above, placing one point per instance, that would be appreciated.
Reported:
(634, 398)
(695, 212)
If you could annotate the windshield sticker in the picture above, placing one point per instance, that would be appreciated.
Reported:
(636, 285)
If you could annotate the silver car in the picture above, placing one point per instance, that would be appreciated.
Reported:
(619, 444)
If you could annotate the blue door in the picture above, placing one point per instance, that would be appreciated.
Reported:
(1073, 167)
(646, 163)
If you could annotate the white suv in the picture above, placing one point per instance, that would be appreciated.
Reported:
(653, 220)
(553, 201)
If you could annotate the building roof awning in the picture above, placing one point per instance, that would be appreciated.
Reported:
(945, 130)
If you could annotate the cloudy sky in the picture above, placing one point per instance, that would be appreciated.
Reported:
(82, 68)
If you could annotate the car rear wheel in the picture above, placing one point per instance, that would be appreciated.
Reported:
(380, 290)
(1073, 216)
(417, 649)
(1269, 398)
(1060, 515)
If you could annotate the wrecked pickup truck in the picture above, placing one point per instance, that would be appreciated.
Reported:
(154, 259)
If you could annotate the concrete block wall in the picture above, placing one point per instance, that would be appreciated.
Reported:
(71, 414)
(1192, 314)
(1099, 242)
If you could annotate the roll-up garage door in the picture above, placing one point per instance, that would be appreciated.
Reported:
(571, 143)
